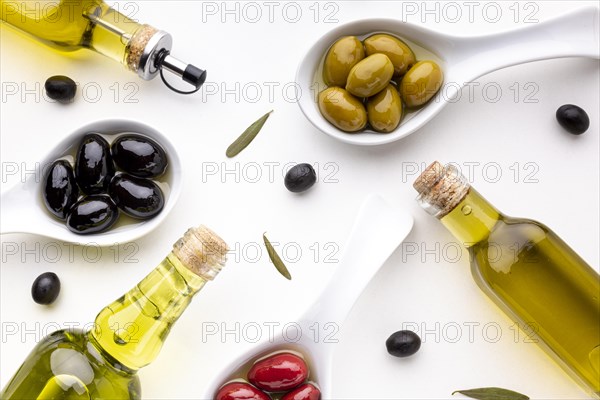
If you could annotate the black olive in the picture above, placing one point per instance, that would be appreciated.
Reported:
(573, 118)
(300, 177)
(45, 288)
(403, 344)
(60, 191)
(139, 155)
(92, 214)
(61, 88)
(137, 197)
(93, 166)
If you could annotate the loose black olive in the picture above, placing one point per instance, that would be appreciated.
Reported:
(92, 214)
(139, 155)
(94, 167)
(573, 118)
(403, 344)
(45, 288)
(137, 197)
(60, 191)
(300, 177)
(61, 88)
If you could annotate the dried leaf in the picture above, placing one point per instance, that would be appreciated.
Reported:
(247, 137)
(492, 393)
(276, 259)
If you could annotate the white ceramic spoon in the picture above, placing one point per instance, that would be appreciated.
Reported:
(378, 230)
(462, 58)
(23, 210)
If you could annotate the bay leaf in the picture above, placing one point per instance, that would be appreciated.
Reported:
(492, 393)
(247, 137)
(277, 262)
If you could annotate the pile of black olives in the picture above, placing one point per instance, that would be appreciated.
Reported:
(106, 178)
(370, 83)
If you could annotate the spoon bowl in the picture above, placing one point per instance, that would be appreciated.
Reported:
(23, 209)
(378, 230)
(461, 58)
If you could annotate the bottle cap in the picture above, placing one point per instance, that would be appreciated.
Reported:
(149, 54)
(202, 251)
(440, 189)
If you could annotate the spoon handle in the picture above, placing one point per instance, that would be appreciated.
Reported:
(575, 34)
(377, 232)
(17, 215)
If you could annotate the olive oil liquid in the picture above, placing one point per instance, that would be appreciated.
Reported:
(135, 326)
(541, 283)
(68, 25)
(65, 365)
(128, 335)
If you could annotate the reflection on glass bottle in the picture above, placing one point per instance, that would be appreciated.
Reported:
(128, 334)
(526, 269)
(69, 25)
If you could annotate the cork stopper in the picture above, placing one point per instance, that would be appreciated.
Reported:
(440, 189)
(202, 251)
(137, 46)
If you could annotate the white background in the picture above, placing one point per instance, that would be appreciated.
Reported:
(559, 187)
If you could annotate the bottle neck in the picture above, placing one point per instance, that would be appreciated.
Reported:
(132, 329)
(143, 49)
(446, 194)
(111, 33)
(472, 220)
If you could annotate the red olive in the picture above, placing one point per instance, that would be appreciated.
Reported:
(240, 391)
(304, 392)
(278, 373)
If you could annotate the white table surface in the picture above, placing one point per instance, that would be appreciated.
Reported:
(546, 174)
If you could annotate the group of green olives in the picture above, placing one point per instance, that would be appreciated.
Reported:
(371, 82)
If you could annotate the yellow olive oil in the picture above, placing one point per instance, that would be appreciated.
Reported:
(69, 25)
(102, 363)
(527, 270)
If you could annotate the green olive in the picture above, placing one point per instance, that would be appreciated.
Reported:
(397, 51)
(343, 110)
(421, 83)
(370, 76)
(341, 57)
(385, 110)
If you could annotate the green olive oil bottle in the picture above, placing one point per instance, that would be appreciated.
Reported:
(526, 269)
(128, 334)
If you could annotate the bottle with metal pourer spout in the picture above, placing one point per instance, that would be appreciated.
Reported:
(69, 25)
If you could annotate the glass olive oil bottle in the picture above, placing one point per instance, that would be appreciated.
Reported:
(128, 334)
(526, 269)
(69, 25)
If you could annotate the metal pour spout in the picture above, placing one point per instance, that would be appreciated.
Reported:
(187, 72)
(152, 56)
